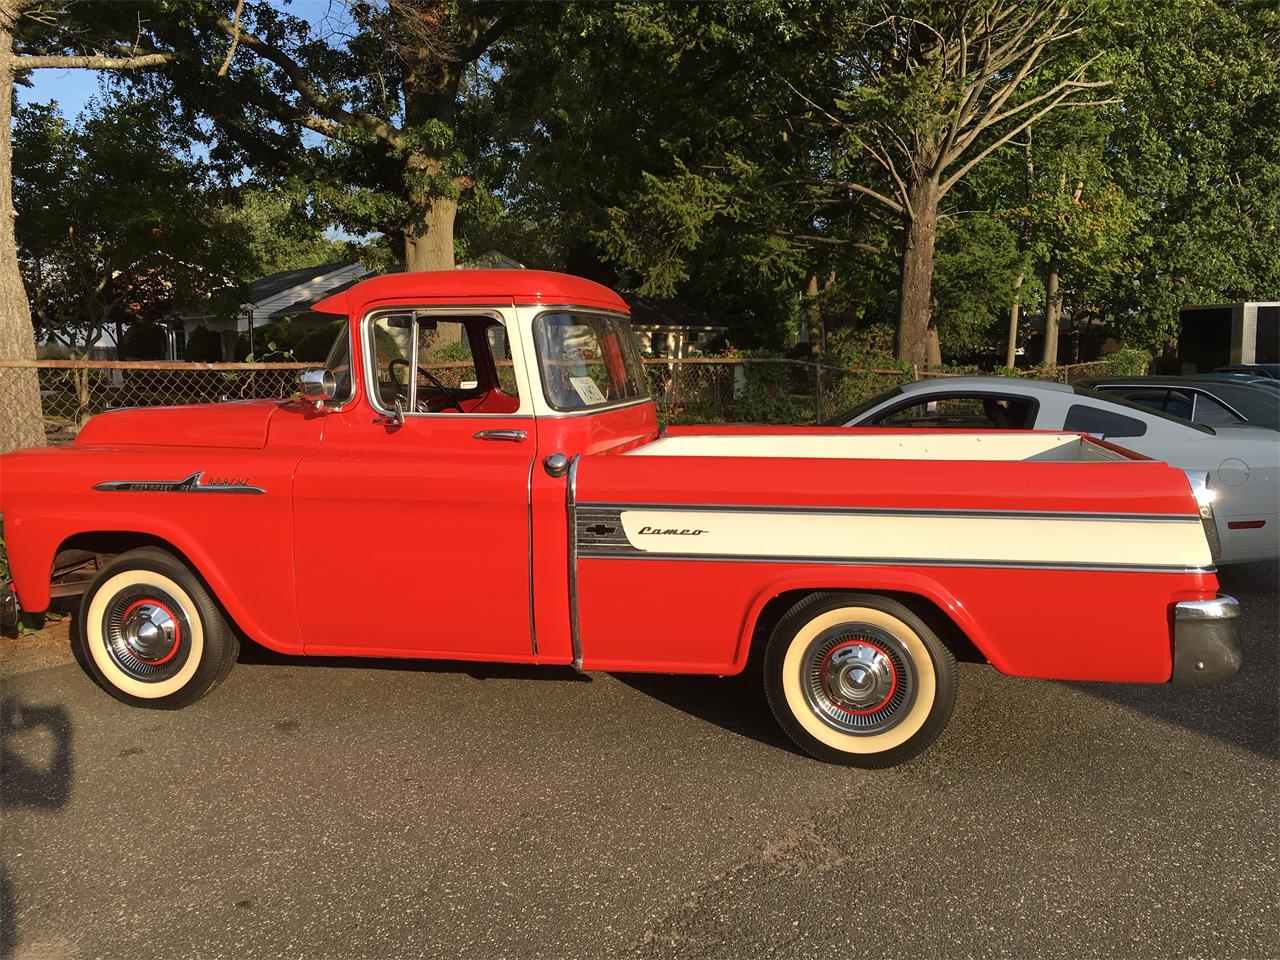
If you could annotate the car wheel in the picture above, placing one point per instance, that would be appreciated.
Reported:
(858, 679)
(149, 633)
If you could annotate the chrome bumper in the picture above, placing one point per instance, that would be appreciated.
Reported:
(1206, 640)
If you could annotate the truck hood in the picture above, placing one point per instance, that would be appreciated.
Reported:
(238, 425)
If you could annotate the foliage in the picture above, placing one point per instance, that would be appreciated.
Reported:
(203, 345)
(144, 340)
(736, 157)
(361, 106)
(314, 346)
(1128, 362)
(97, 249)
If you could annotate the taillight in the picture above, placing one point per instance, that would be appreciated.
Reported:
(1205, 495)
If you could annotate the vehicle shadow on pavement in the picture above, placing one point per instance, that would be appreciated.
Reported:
(35, 774)
(1242, 711)
(735, 704)
(253, 653)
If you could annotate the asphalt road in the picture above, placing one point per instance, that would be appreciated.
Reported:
(341, 810)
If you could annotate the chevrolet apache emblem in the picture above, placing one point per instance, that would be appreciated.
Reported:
(192, 484)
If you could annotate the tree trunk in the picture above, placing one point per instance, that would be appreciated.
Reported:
(21, 424)
(1015, 308)
(811, 316)
(428, 244)
(1053, 287)
(916, 340)
(1052, 311)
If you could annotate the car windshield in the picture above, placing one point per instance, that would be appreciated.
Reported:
(339, 364)
(588, 360)
(853, 413)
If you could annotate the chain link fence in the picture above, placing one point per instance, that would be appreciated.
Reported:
(693, 390)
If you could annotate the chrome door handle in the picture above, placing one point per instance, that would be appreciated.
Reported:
(514, 436)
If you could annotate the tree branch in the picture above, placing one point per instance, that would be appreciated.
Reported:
(1062, 101)
(235, 39)
(94, 62)
(313, 97)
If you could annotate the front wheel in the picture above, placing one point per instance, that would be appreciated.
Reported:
(149, 633)
(858, 679)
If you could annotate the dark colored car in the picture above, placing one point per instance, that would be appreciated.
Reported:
(1269, 370)
(1214, 401)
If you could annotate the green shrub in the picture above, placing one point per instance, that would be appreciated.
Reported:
(203, 345)
(1126, 362)
(314, 346)
(143, 340)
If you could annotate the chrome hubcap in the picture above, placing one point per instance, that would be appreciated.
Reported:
(145, 631)
(858, 675)
(858, 678)
(150, 631)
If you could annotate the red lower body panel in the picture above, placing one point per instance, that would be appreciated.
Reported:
(697, 616)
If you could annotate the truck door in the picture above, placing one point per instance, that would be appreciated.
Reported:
(412, 516)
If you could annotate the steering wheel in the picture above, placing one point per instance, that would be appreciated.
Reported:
(444, 391)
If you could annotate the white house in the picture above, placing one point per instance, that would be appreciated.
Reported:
(288, 293)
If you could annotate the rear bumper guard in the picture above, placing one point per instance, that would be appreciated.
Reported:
(1206, 640)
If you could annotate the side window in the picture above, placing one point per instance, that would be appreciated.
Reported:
(1086, 419)
(451, 355)
(500, 349)
(961, 413)
(1178, 404)
(445, 358)
(1209, 411)
(1147, 397)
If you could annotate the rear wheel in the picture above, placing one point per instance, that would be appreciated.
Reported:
(858, 679)
(149, 633)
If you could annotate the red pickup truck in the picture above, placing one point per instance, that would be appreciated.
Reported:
(479, 474)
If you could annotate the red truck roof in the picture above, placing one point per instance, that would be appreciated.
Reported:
(472, 286)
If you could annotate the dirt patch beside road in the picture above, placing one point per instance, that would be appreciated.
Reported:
(48, 647)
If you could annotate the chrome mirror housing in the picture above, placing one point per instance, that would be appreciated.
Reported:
(318, 386)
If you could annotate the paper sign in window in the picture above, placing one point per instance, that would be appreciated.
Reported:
(587, 390)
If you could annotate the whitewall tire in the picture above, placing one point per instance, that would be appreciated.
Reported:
(858, 679)
(149, 633)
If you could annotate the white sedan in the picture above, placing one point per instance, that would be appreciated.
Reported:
(1243, 462)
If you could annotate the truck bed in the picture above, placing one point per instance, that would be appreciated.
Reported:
(886, 445)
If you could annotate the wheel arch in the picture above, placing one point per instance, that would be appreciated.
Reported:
(120, 539)
(921, 594)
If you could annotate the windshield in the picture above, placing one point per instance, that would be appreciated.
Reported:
(588, 360)
(846, 418)
(339, 364)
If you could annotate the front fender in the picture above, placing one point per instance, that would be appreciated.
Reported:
(260, 602)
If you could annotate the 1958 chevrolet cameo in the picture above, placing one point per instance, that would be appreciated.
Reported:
(485, 438)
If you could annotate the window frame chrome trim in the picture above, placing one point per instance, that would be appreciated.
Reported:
(351, 356)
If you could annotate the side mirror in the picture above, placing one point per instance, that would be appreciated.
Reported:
(318, 386)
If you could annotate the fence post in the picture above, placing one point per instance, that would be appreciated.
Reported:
(817, 393)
